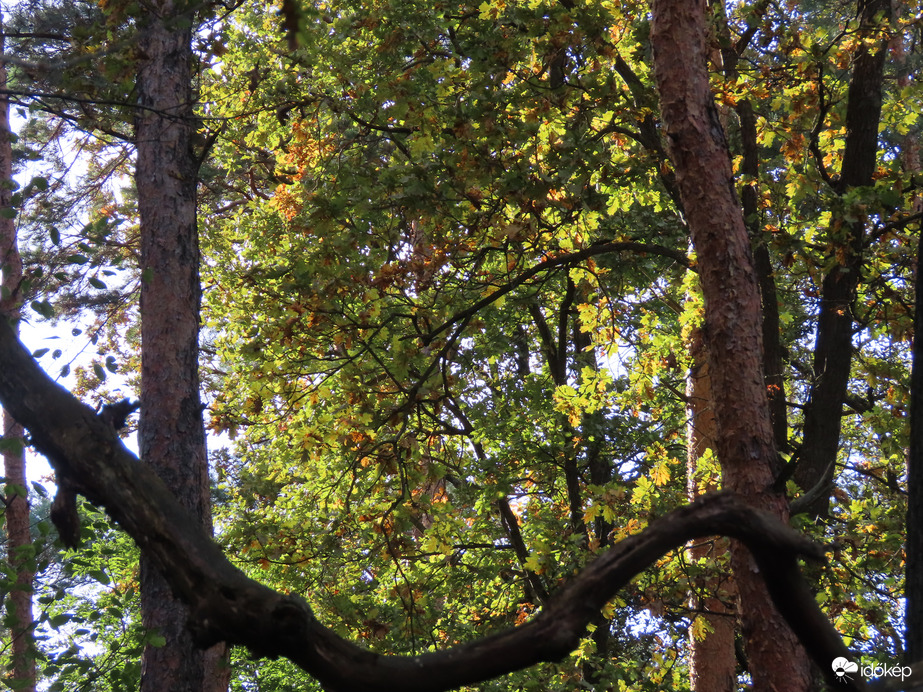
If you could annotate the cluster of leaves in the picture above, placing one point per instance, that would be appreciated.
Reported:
(400, 364)
(447, 307)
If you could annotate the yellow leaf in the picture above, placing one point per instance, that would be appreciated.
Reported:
(700, 628)
(660, 474)
(534, 564)
(590, 514)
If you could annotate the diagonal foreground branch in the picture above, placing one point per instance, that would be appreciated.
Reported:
(227, 605)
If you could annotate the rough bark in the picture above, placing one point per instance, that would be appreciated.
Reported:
(833, 347)
(913, 585)
(733, 323)
(171, 433)
(227, 606)
(913, 575)
(19, 601)
(712, 663)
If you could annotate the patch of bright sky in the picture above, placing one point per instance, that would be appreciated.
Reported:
(71, 337)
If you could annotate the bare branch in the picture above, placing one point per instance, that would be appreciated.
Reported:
(559, 261)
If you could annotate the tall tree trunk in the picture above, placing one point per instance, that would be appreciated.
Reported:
(913, 576)
(833, 346)
(773, 368)
(171, 433)
(733, 323)
(19, 601)
(712, 660)
(913, 580)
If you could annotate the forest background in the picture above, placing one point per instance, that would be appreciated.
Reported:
(474, 295)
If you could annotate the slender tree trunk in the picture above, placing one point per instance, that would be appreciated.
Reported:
(913, 576)
(913, 581)
(712, 661)
(19, 541)
(833, 347)
(171, 432)
(733, 323)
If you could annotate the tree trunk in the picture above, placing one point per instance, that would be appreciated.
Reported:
(913, 586)
(733, 324)
(19, 541)
(171, 433)
(833, 347)
(913, 576)
(712, 661)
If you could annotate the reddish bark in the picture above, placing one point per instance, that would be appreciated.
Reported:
(171, 433)
(733, 323)
(712, 662)
(19, 603)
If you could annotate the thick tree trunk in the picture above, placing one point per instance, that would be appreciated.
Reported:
(171, 432)
(712, 662)
(19, 601)
(733, 324)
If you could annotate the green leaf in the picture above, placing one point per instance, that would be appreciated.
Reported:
(100, 576)
(11, 444)
(155, 639)
(100, 373)
(60, 619)
(96, 283)
(43, 308)
(38, 353)
(77, 259)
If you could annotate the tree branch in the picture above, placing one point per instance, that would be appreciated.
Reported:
(227, 606)
(561, 260)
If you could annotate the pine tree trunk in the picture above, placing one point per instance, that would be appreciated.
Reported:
(171, 432)
(19, 601)
(712, 662)
(733, 323)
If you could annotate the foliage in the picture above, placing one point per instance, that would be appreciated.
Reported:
(447, 296)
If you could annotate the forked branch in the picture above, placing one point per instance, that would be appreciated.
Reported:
(227, 606)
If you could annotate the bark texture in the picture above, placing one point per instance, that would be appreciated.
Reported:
(19, 600)
(712, 662)
(773, 368)
(913, 575)
(171, 433)
(733, 323)
(913, 584)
